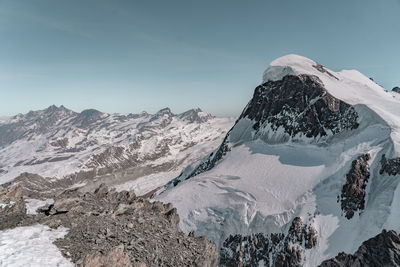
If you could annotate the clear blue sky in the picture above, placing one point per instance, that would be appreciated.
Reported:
(129, 56)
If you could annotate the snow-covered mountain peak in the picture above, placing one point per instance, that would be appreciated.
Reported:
(348, 86)
(314, 150)
(288, 65)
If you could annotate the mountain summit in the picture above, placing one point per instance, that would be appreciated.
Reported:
(310, 169)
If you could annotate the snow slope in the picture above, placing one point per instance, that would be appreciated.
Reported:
(260, 186)
(32, 246)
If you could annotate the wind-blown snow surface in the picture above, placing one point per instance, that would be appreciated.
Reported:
(259, 188)
(32, 246)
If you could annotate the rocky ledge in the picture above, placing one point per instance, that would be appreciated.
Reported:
(109, 228)
(390, 166)
(353, 192)
(261, 249)
(381, 250)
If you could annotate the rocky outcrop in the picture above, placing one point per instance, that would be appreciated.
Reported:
(390, 166)
(299, 105)
(396, 89)
(12, 207)
(353, 193)
(261, 249)
(109, 228)
(381, 250)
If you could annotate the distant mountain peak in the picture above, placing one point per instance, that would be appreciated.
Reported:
(88, 116)
(165, 110)
(195, 115)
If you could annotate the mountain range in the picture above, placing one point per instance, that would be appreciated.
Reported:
(58, 147)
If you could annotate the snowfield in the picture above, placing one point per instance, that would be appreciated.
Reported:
(32, 246)
(259, 188)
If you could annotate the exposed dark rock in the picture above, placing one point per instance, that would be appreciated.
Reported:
(390, 166)
(353, 191)
(396, 89)
(322, 69)
(381, 250)
(300, 104)
(280, 249)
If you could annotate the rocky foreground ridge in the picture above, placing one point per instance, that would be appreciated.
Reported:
(109, 228)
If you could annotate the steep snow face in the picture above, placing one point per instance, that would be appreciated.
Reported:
(57, 142)
(288, 156)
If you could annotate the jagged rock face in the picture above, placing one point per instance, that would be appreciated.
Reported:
(109, 228)
(299, 105)
(396, 89)
(353, 192)
(261, 249)
(390, 166)
(381, 250)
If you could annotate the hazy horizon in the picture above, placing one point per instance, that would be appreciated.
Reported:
(130, 56)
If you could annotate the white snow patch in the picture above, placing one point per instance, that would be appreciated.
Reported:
(32, 246)
(7, 205)
(33, 204)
